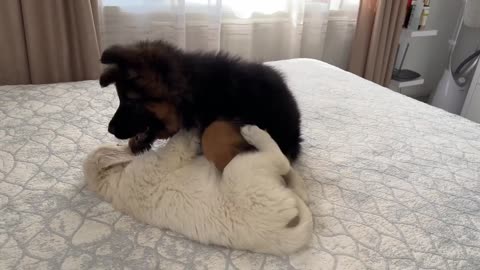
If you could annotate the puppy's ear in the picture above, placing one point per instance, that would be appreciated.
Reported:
(113, 74)
(124, 56)
(109, 76)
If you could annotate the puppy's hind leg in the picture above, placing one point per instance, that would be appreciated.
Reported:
(267, 147)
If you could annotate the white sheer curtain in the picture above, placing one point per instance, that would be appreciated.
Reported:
(259, 30)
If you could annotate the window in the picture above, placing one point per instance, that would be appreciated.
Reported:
(241, 6)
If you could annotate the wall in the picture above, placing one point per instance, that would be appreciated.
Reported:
(429, 55)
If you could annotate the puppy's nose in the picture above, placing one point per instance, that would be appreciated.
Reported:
(111, 129)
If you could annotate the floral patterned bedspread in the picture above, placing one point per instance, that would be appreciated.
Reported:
(394, 183)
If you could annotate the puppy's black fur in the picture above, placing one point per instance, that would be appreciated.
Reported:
(204, 87)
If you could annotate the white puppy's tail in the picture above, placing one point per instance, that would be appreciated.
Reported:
(297, 232)
(284, 230)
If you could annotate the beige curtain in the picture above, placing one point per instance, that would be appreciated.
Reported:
(376, 39)
(47, 41)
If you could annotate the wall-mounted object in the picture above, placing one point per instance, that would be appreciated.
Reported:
(401, 77)
(452, 88)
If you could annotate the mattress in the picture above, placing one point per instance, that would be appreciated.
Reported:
(394, 183)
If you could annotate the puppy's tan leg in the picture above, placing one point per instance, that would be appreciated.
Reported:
(221, 142)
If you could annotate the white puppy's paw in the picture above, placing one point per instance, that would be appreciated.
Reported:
(194, 136)
(254, 135)
(108, 155)
(186, 141)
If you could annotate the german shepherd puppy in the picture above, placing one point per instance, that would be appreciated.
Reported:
(162, 89)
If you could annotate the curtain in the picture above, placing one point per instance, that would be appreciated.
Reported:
(48, 41)
(376, 39)
(259, 30)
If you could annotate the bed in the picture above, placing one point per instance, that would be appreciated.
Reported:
(394, 183)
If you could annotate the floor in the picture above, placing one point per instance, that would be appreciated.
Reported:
(423, 99)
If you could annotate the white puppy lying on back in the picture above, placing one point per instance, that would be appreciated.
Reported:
(248, 207)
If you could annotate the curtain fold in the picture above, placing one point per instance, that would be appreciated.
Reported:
(374, 47)
(257, 30)
(13, 52)
(49, 41)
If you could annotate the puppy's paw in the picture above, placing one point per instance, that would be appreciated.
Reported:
(109, 155)
(191, 135)
(186, 140)
(195, 137)
(255, 136)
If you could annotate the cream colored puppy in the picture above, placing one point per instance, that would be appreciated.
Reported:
(247, 207)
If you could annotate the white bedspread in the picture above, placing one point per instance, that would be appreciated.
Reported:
(394, 183)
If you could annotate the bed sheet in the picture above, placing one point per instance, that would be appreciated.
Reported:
(394, 183)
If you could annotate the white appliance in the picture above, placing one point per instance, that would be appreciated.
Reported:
(471, 108)
(453, 86)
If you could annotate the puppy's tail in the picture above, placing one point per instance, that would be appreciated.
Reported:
(297, 233)
(285, 230)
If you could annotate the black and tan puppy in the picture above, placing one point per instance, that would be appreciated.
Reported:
(162, 89)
